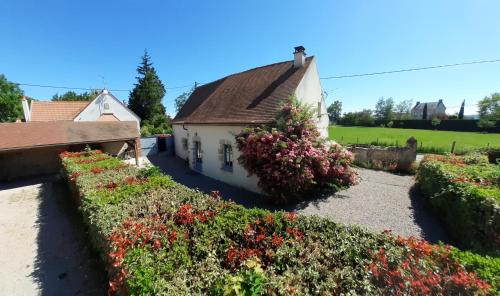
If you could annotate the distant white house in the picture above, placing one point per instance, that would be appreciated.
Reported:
(434, 110)
(205, 127)
(105, 107)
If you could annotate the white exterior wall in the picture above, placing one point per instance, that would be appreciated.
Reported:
(210, 137)
(96, 108)
(309, 92)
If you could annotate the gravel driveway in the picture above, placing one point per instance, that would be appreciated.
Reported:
(43, 248)
(380, 201)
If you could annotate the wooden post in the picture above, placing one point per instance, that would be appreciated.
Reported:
(137, 150)
(453, 147)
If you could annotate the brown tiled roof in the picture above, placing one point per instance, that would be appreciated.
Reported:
(23, 135)
(253, 96)
(54, 111)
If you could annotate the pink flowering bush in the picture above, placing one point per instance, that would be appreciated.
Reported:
(290, 158)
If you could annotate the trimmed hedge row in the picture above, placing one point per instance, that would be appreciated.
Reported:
(158, 237)
(465, 193)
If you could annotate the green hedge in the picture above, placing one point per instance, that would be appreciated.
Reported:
(158, 237)
(465, 193)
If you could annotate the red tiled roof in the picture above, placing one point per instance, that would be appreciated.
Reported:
(54, 111)
(253, 96)
(23, 135)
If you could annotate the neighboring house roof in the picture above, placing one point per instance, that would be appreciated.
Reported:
(430, 106)
(55, 111)
(24, 135)
(252, 96)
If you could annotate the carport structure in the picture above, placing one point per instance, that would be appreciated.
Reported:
(32, 148)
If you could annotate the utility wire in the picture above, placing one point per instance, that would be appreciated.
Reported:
(86, 88)
(324, 78)
(411, 69)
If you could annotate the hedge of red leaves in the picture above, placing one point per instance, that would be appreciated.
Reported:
(290, 159)
(164, 239)
(408, 272)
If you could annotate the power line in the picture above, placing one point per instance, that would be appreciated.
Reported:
(411, 69)
(90, 89)
(324, 78)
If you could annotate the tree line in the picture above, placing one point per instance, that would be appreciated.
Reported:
(388, 109)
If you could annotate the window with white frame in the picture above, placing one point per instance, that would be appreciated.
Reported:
(319, 109)
(228, 156)
(184, 143)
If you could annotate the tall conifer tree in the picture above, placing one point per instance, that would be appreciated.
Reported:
(146, 97)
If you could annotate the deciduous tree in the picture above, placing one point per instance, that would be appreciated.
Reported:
(10, 100)
(334, 111)
(73, 96)
(384, 109)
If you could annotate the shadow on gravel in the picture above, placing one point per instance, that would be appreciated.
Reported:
(64, 262)
(432, 229)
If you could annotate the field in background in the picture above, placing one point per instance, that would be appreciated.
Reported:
(428, 141)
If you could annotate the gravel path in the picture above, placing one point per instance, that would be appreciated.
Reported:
(43, 247)
(380, 201)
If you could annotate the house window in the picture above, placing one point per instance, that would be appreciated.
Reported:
(228, 156)
(197, 151)
(184, 143)
(319, 109)
(106, 106)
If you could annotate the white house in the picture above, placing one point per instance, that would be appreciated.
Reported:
(205, 127)
(105, 107)
(434, 110)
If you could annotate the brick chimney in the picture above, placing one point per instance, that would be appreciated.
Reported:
(299, 56)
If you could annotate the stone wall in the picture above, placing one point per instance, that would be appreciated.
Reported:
(402, 157)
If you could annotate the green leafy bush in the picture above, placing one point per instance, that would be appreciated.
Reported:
(465, 193)
(162, 238)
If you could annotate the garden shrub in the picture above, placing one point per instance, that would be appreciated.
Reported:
(465, 192)
(172, 240)
(290, 159)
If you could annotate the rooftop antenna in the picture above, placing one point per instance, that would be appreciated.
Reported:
(103, 82)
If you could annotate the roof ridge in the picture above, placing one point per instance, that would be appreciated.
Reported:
(252, 69)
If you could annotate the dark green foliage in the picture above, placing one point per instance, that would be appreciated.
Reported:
(486, 267)
(334, 111)
(10, 101)
(461, 112)
(363, 118)
(466, 196)
(73, 96)
(146, 97)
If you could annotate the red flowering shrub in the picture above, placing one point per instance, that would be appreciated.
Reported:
(409, 272)
(261, 239)
(187, 215)
(290, 159)
(135, 234)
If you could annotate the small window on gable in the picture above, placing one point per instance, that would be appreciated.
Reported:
(319, 109)
(106, 106)
(228, 156)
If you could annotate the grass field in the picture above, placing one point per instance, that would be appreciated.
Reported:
(428, 141)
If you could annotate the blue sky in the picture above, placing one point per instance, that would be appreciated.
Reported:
(75, 43)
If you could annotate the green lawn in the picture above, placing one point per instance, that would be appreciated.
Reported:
(428, 141)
